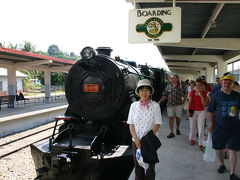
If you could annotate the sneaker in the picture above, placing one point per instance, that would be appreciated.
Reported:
(234, 177)
(192, 142)
(178, 132)
(221, 169)
(201, 147)
(171, 135)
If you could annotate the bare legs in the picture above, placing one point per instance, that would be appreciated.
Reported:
(220, 154)
(171, 123)
(178, 121)
(232, 159)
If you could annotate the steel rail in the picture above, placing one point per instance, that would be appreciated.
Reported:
(20, 148)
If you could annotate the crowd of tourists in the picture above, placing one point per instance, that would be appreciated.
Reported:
(213, 107)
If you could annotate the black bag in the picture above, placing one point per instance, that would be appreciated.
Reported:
(191, 111)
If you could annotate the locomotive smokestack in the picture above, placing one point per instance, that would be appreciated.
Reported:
(104, 50)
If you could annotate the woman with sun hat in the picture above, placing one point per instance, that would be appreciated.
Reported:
(144, 116)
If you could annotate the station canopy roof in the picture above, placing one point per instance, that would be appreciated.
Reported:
(32, 61)
(210, 32)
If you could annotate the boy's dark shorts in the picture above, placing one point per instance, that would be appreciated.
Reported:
(229, 139)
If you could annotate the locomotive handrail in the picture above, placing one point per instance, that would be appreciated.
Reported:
(142, 75)
(65, 118)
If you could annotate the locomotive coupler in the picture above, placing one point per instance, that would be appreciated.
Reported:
(60, 163)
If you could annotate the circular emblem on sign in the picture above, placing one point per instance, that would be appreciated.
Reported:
(153, 27)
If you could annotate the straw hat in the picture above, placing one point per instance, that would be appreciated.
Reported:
(143, 82)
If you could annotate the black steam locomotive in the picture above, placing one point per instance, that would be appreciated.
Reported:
(94, 142)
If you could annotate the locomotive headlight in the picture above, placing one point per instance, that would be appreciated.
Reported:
(88, 53)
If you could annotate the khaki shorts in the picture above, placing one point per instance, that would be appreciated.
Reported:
(174, 111)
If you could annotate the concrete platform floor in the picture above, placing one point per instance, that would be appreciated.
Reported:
(29, 108)
(21, 118)
(181, 161)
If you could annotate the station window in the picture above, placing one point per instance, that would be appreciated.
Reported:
(230, 67)
(1, 88)
(236, 65)
(236, 70)
(215, 72)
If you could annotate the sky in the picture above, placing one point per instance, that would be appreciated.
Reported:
(73, 25)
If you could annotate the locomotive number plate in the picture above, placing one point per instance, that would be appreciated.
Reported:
(91, 88)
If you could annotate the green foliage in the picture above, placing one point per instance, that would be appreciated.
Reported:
(42, 53)
(58, 78)
(72, 54)
(8, 45)
(26, 72)
(11, 46)
(33, 75)
(53, 50)
(28, 47)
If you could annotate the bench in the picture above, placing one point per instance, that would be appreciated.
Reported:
(9, 100)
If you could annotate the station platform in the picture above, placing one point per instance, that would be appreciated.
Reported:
(20, 118)
(5, 112)
(181, 161)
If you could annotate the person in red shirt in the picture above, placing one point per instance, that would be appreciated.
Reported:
(208, 87)
(197, 101)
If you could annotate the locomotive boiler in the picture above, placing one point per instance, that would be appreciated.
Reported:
(94, 143)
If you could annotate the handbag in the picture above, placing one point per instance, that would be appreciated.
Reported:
(191, 111)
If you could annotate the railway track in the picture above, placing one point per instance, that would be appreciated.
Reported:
(19, 143)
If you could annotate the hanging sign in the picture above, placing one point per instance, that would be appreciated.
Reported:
(155, 25)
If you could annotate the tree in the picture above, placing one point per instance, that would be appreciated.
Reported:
(11, 46)
(42, 53)
(28, 47)
(58, 78)
(53, 50)
(72, 54)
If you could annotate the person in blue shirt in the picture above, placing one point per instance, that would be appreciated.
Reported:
(217, 87)
(225, 124)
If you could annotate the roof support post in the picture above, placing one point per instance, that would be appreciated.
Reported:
(221, 68)
(47, 84)
(210, 73)
(11, 75)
